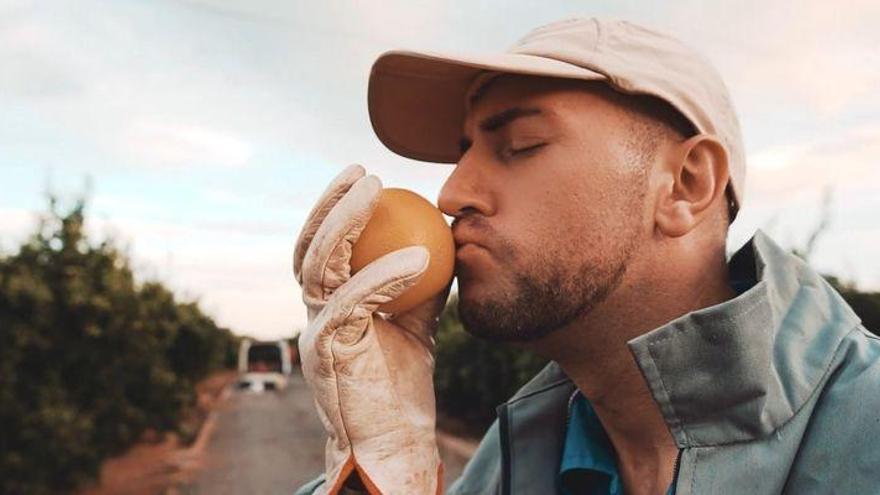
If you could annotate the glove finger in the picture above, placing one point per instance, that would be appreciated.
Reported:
(381, 281)
(334, 192)
(326, 264)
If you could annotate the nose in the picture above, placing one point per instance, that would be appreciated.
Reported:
(467, 189)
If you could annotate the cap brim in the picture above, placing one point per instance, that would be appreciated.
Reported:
(417, 100)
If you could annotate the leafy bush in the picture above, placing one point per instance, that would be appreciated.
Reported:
(89, 359)
(473, 376)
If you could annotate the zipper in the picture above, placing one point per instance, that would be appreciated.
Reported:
(504, 434)
(675, 471)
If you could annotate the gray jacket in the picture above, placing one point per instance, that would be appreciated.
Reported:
(775, 391)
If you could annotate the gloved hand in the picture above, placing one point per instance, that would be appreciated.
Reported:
(371, 374)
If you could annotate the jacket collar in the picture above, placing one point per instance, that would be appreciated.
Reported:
(740, 369)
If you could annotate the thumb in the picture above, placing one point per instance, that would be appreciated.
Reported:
(381, 281)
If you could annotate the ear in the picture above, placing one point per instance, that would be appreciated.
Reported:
(694, 178)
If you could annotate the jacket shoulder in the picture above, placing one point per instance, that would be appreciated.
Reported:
(482, 474)
(840, 448)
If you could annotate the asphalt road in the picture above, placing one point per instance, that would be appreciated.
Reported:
(269, 444)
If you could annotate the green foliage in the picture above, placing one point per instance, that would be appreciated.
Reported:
(89, 359)
(474, 376)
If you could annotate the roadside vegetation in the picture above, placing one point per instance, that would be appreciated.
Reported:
(91, 360)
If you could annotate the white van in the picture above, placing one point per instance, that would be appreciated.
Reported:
(263, 365)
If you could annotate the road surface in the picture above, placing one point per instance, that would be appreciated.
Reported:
(269, 444)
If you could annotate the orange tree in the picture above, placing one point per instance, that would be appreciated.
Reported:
(89, 358)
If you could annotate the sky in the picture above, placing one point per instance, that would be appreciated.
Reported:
(202, 131)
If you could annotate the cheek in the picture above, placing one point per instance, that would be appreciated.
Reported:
(563, 203)
(567, 220)
(545, 225)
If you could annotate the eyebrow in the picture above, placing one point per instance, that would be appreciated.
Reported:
(501, 119)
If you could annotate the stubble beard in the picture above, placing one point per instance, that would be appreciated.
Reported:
(545, 297)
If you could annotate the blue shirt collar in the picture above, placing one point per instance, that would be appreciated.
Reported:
(589, 462)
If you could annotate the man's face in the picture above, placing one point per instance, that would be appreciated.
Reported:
(549, 200)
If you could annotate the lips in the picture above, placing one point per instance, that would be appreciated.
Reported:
(464, 249)
(462, 244)
(464, 237)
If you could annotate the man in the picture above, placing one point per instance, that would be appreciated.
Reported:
(599, 165)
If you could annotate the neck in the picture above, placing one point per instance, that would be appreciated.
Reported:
(593, 351)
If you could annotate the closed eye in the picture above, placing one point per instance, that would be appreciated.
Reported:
(526, 149)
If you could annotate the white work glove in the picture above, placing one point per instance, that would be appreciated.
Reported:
(371, 374)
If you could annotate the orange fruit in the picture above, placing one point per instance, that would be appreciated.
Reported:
(401, 219)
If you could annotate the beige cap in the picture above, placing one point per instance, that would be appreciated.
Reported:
(417, 99)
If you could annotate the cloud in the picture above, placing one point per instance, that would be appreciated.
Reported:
(785, 192)
(810, 53)
(15, 225)
(185, 93)
(36, 64)
(240, 277)
(849, 160)
(175, 144)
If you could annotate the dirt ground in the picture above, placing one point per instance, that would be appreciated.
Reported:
(157, 465)
(254, 444)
